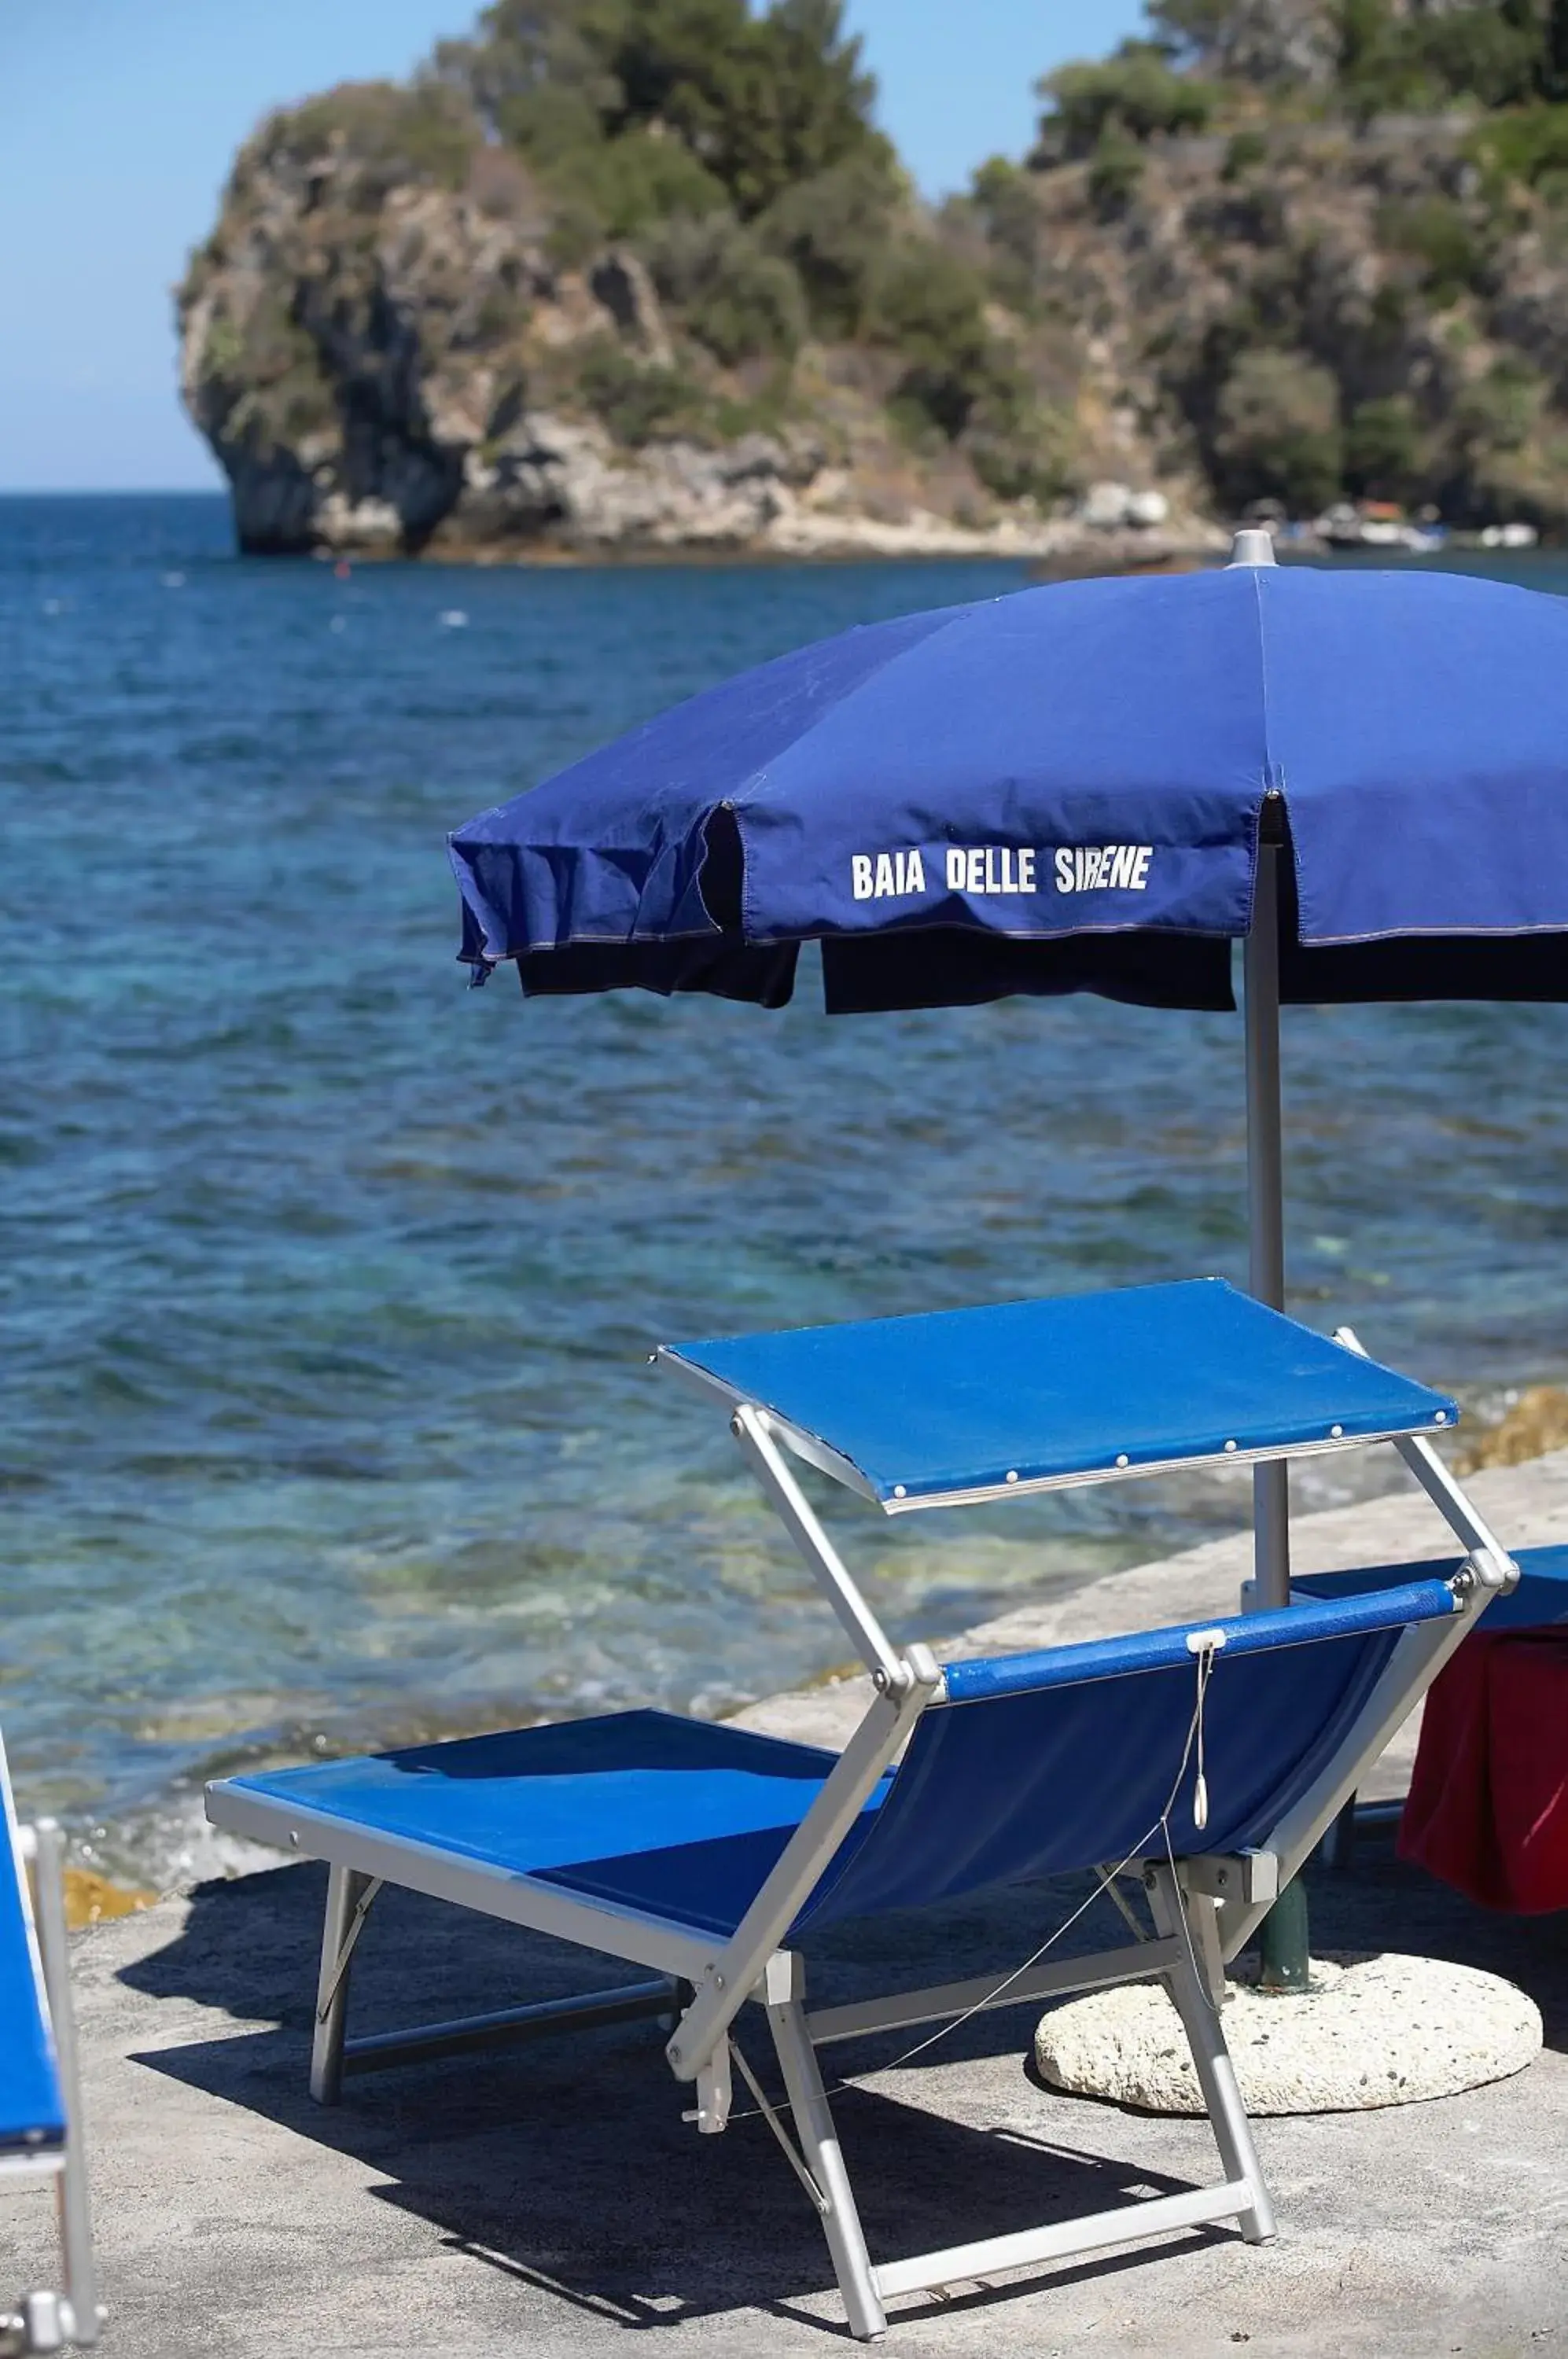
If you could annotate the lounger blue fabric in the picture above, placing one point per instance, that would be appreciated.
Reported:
(1054, 1761)
(695, 1811)
(955, 1401)
(32, 2113)
(1539, 1599)
(1041, 1773)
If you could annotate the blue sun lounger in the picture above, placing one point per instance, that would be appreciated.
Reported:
(1205, 1761)
(41, 2113)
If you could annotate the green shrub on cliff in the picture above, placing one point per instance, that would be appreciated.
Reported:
(1499, 412)
(757, 103)
(1116, 168)
(637, 399)
(615, 188)
(1277, 433)
(1131, 96)
(1245, 151)
(1439, 237)
(392, 133)
(1021, 446)
(1495, 53)
(1528, 145)
(733, 295)
(961, 380)
(1003, 203)
(1506, 459)
(1383, 450)
(833, 229)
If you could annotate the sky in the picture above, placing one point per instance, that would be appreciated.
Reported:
(121, 118)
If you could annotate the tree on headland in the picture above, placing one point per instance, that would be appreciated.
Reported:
(747, 106)
(1279, 250)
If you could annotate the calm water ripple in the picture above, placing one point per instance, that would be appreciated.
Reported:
(327, 1285)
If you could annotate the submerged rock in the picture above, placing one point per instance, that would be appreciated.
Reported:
(92, 1899)
(1537, 1422)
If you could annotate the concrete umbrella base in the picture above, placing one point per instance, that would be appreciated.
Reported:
(1369, 2031)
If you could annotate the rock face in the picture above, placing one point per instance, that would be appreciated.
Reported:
(393, 359)
(1312, 303)
(396, 341)
(344, 350)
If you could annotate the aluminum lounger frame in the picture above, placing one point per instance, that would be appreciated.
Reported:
(1202, 1908)
(49, 2320)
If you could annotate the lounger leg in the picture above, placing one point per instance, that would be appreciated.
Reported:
(819, 2145)
(1339, 1840)
(1217, 2074)
(1203, 1920)
(346, 1890)
(75, 2213)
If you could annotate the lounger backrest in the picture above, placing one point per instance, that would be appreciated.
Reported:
(32, 2115)
(1039, 1763)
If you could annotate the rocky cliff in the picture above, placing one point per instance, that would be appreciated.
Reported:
(433, 317)
(1311, 308)
(390, 354)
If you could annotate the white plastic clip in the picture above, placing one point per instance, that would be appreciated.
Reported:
(1204, 1645)
(711, 2111)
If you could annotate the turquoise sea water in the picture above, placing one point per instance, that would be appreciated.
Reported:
(326, 1284)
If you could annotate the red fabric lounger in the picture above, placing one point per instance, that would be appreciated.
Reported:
(1489, 1801)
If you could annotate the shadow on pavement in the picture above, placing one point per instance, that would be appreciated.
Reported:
(565, 2161)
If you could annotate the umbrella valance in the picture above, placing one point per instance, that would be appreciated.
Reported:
(1065, 790)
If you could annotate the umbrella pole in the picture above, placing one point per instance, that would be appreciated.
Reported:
(1284, 1932)
(1266, 1204)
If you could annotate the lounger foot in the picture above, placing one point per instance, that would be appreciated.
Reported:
(1195, 2003)
(42, 2323)
(820, 2147)
(1185, 1949)
(1065, 2240)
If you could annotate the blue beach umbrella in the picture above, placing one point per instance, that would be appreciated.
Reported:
(1092, 786)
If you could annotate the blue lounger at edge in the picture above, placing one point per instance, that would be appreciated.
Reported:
(40, 2108)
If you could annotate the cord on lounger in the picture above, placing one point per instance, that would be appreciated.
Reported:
(1203, 1645)
(1104, 1878)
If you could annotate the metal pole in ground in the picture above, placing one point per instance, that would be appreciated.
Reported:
(1266, 1204)
(1284, 1933)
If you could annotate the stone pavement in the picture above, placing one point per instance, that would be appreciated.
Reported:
(548, 2198)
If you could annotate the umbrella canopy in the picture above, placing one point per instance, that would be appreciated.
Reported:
(1069, 789)
(1095, 786)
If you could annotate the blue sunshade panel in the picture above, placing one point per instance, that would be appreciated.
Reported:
(1062, 789)
(952, 1405)
(32, 2112)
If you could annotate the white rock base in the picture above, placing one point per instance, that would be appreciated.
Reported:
(1370, 2031)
